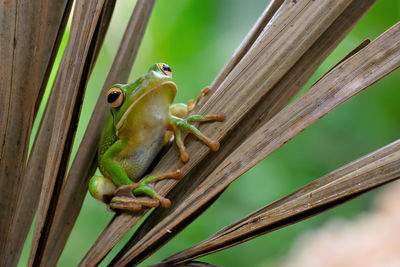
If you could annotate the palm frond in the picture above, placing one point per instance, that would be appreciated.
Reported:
(268, 60)
(287, 44)
(30, 32)
(62, 113)
(346, 183)
(364, 68)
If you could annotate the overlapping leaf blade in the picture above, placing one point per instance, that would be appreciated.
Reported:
(366, 67)
(268, 60)
(58, 127)
(145, 241)
(85, 162)
(30, 32)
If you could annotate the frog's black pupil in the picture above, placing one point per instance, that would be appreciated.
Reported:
(166, 68)
(113, 96)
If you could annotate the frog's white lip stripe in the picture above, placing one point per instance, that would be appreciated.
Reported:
(119, 124)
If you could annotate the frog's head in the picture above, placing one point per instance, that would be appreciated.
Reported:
(127, 100)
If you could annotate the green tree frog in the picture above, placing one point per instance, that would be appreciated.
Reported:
(142, 121)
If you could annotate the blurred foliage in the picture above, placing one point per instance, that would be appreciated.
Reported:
(196, 38)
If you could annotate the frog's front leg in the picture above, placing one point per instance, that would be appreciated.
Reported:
(180, 122)
(178, 125)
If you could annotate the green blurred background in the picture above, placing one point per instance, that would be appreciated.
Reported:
(196, 38)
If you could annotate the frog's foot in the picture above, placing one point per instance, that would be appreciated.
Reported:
(178, 125)
(125, 196)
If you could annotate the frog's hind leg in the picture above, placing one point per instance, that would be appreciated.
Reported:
(125, 196)
(101, 189)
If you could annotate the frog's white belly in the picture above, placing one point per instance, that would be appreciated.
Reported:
(136, 159)
(143, 130)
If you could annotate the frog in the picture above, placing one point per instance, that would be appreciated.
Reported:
(142, 122)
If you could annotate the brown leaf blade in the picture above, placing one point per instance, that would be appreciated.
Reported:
(28, 195)
(57, 19)
(280, 45)
(364, 68)
(111, 235)
(369, 65)
(70, 83)
(56, 237)
(26, 39)
(247, 43)
(76, 185)
(145, 241)
(348, 182)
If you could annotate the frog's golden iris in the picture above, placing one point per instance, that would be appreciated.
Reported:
(115, 97)
(165, 68)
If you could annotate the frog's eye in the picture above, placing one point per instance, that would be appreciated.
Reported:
(165, 68)
(115, 97)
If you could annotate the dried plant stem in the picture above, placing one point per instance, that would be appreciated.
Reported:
(247, 43)
(28, 31)
(85, 162)
(57, 19)
(364, 68)
(138, 248)
(70, 83)
(350, 181)
(292, 31)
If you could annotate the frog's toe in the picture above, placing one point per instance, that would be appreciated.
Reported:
(219, 116)
(133, 203)
(125, 203)
(213, 144)
(165, 202)
(184, 154)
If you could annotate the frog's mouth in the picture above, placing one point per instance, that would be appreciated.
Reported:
(166, 85)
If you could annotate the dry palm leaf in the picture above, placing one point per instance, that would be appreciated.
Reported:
(369, 65)
(30, 32)
(138, 248)
(57, 16)
(75, 188)
(350, 181)
(63, 111)
(364, 68)
(282, 43)
(272, 64)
